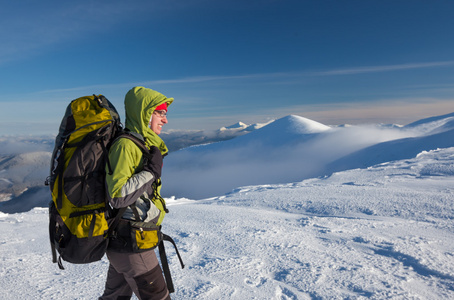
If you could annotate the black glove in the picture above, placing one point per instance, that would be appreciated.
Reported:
(152, 161)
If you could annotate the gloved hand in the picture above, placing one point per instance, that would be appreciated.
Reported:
(152, 162)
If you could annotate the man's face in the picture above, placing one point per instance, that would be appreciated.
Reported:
(158, 119)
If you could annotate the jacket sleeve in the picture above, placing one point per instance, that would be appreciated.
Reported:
(126, 184)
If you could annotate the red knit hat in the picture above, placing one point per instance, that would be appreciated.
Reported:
(162, 106)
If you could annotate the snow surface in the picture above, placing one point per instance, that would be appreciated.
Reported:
(382, 231)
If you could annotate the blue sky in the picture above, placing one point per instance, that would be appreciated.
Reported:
(334, 62)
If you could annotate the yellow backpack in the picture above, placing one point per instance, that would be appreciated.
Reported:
(78, 213)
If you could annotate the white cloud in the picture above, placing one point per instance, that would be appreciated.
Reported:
(388, 68)
(276, 77)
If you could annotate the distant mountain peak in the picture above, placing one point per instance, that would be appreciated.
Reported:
(302, 125)
(240, 126)
(289, 129)
(237, 125)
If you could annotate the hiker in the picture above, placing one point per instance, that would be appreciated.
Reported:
(135, 184)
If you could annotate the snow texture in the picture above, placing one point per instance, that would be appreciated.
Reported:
(381, 226)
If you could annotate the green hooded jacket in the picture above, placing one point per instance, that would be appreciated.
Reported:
(140, 103)
(129, 184)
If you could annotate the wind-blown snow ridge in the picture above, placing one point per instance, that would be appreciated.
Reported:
(432, 121)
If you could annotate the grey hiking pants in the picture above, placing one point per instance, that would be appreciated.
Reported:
(134, 272)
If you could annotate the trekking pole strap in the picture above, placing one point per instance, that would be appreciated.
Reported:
(165, 267)
(165, 237)
(54, 257)
(54, 253)
(60, 264)
(165, 263)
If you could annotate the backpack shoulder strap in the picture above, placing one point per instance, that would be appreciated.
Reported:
(125, 134)
(138, 140)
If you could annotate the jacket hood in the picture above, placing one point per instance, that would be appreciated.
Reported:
(140, 102)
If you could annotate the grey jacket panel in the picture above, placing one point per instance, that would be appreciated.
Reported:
(135, 186)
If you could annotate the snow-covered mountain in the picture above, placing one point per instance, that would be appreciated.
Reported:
(433, 133)
(179, 139)
(434, 124)
(238, 126)
(295, 148)
(23, 171)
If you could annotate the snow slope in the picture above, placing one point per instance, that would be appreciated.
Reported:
(385, 232)
(434, 124)
(393, 150)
